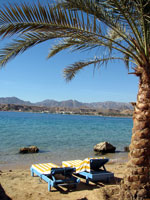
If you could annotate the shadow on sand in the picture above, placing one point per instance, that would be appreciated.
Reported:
(80, 187)
(3, 195)
(83, 186)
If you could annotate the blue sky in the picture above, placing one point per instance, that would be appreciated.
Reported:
(30, 76)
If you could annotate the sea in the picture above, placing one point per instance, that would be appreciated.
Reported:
(59, 137)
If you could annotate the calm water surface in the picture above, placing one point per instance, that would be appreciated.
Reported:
(59, 137)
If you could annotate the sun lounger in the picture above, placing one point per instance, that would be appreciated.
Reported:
(48, 172)
(92, 169)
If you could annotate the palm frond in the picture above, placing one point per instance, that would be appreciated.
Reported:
(75, 43)
(113, 13)
(72, 70)
(126, 60)
(18, 46)
(119, 25)
(30, 18)
(143, 11)
(89, 41)
(24, 18)
(62, 45)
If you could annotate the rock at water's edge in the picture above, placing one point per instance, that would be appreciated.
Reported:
(31, 149)
(104, 147)
(126, 149)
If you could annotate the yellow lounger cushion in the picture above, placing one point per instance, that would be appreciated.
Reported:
(80, 165)
(44, 168)
(71, 163)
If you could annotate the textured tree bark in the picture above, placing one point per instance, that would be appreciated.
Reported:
(136, 182)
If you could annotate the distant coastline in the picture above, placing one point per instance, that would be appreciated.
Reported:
(70, 107)
(66, 110)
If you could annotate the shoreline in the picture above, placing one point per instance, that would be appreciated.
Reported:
(114, 158)
(76, 114)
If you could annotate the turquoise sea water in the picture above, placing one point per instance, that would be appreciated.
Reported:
(59, 137)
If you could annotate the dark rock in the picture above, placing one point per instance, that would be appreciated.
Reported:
(31, 149)
(104, 147)
(126, 149)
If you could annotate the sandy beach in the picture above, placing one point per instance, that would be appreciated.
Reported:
(17, 184)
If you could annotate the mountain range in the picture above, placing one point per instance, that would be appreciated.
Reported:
(69, 104)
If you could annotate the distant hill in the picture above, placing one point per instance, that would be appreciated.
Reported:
(14, 100)
(111, 105)
(69, 104)
(53, 103)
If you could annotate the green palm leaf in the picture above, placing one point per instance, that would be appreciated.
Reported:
(72, 70)
(82, 25)
(20, 45)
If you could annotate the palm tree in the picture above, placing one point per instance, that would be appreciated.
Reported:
(118, 29)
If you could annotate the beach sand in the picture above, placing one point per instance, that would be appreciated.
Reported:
(17, 184)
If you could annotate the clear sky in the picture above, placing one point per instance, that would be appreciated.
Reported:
(30, 76)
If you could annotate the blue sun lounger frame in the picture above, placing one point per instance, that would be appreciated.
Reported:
(51, 179)
(97, 174)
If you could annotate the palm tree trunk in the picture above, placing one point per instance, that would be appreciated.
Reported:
(136, 182)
